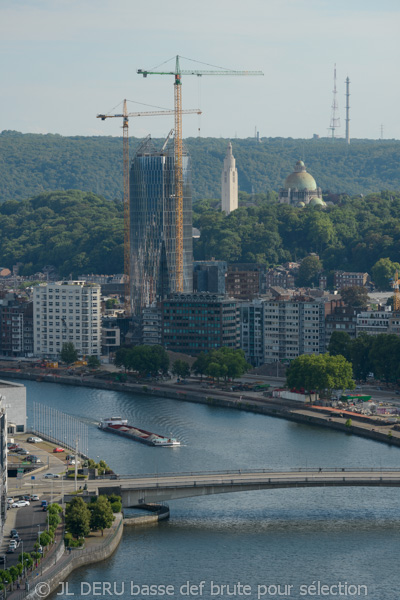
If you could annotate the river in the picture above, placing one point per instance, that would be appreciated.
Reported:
(345, 539)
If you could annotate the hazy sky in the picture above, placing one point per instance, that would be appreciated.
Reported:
(64, 61)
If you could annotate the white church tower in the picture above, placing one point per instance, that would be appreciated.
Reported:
(229, 183)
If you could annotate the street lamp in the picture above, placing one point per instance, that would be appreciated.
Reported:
(23, 559)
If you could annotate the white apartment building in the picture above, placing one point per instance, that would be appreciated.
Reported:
(66, 311)
(294, 327)
(374, 322)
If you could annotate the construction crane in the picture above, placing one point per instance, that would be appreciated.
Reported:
(125, 135)
(396, 292)
(178, 151)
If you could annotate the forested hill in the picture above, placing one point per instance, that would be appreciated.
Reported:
(33, 163)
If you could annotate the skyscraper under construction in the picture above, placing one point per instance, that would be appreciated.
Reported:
(153, 225)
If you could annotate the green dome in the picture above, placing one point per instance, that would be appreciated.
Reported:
(301, 205)
(317, 202)
(300, 179)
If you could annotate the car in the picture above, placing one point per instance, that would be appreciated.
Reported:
(20, 503)
(74, 462)
(13, 544)
(56, 476)
(26, 497)
(24, 452)
(13, 532)
(48, 476)
(58, 449)
(43, 503)
(10, 550)
(34, 497)
(34, 440)
(12, 446)
(2, 559)
(10, 501)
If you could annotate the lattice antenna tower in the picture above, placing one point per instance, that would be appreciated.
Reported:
(335, 120)
(347, 110)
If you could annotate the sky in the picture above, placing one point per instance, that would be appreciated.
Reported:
(64, 61)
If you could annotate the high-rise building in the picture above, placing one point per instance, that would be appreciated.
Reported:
(153, 226)
(66, 311)
(209, 276)
(229, 183)
(194, 323)
(16, 326)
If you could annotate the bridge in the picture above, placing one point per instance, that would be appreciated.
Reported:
(143, 489)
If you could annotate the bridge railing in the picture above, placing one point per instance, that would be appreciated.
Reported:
(254, 471)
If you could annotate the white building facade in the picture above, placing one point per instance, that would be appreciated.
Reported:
(67, 311)
(229, 183)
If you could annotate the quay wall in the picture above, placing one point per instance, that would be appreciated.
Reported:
(284, 410)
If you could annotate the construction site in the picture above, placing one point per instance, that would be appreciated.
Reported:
(158, 255)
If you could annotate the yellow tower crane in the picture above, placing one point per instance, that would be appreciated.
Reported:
(125, 134)
(396, 292)
(178, 151)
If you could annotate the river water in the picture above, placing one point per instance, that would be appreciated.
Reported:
(346, 539)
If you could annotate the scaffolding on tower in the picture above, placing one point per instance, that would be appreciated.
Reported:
(178, 152)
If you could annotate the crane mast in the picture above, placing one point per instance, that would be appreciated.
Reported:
(178, 153)
(125, 135)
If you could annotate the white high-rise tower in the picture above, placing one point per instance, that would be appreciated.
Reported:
(229, 183)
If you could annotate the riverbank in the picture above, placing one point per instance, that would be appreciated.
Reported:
(294, 411)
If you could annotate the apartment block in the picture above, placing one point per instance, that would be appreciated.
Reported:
(16, 326)
(374, 322)
(295, 326)
(245, 281)
(343, 318)
(343, 280)
(252, 331)
(194, 323)
(67, 311)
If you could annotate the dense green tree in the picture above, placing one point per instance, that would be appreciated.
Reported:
(360, 356)
(200, 365)
(68, 353)
(181, 368)
(355, 297)
(93, 362)
(102, 515)
(309, 270)
(383, 272)
(320, 372)
(146, 360)
(77, 518)
(340, 343)
(384, 356)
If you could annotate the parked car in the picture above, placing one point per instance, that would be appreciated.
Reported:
(34, 497)
(43, 503)
(24, 452)
(10, 501)
(2, 559)
(20, 503)
(34, 440)
(26, 497)
(10, 550)
(73, 462)
(58, 449)
(13, 544)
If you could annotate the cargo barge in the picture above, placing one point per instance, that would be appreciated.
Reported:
(120, 427)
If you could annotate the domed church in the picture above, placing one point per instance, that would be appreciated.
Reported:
(300, 188)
